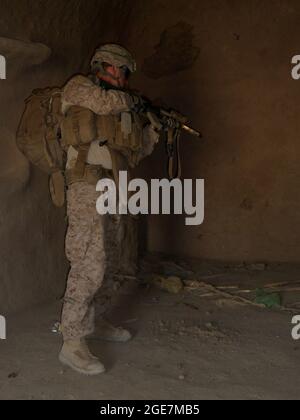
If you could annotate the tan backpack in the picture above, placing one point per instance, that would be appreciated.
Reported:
(39, 139)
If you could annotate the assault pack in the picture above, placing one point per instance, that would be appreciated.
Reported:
(39, 138)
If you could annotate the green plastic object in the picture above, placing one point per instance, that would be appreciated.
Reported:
(270, 300)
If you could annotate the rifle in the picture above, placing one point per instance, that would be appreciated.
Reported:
(167, 121)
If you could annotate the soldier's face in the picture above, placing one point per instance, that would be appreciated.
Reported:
(117, 77)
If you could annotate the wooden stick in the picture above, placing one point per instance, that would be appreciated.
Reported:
(239, 299)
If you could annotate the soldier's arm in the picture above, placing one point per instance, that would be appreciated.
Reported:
(81, 91)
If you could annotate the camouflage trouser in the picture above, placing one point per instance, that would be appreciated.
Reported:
(86, 253)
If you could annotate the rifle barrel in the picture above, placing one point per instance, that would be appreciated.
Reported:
(191, 131)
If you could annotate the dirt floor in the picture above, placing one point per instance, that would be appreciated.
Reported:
(197, 344)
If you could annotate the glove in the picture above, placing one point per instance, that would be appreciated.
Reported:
(140, 104)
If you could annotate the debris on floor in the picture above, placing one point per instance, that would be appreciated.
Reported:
(170, 268)
(257, 267)
(200, 337)
(208, 290)
(208, 282)
(13, 375)
(168, 284)
(270, 300)
(56, 328)
(189, 330)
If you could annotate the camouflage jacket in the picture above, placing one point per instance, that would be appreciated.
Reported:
(81, 91)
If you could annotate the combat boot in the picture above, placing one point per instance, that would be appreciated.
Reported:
(107, 332)
(76, 355)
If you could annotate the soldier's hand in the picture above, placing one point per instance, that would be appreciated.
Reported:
(140, 104)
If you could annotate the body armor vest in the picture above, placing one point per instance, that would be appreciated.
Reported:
(122, 134)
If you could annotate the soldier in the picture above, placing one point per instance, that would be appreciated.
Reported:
(121, 140)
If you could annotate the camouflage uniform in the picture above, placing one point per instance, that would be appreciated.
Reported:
(81, 91)
(85, 251)
(85, 236)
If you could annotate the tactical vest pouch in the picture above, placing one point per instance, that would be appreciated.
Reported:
(78, 126)
(80, 166)
(57, 188)
(106, 127)
(129, 142)
(119, 163)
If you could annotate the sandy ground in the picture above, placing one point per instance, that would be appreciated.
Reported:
(185, 347)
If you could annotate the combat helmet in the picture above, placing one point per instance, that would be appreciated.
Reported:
(113, 54)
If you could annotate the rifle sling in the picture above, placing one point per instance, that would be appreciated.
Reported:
(173, 141)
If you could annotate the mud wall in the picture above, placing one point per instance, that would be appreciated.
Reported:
(44, 43)
(227, 65)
